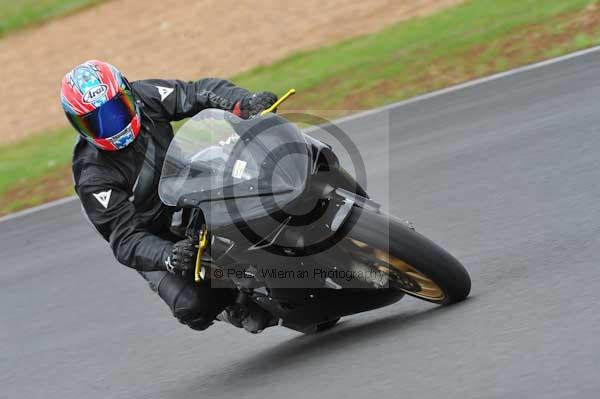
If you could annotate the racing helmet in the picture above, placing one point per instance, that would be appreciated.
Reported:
(99, 103)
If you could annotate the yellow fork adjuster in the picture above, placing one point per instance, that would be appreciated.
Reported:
(203, 242)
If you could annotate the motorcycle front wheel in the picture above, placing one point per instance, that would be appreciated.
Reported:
(409, 261)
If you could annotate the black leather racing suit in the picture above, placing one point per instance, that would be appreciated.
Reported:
(119, 191)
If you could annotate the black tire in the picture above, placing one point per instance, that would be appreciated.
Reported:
(383, 232)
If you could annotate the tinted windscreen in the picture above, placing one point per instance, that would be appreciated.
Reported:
(217, 156)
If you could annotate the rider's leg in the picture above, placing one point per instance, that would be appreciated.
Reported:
(195, 305)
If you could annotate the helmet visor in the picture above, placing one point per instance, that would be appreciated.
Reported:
(107, 120)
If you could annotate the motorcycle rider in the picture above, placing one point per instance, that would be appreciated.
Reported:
(125, 130)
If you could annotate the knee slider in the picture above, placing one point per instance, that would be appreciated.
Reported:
(198, 324)
(185, 301)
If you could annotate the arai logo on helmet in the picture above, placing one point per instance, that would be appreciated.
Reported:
(94, 93)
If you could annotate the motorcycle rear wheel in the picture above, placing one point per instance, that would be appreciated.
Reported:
(412, 263)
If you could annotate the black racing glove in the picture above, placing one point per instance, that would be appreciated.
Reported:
(250, 106)
(182, 257)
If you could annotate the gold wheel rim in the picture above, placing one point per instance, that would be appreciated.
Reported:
(429, 288)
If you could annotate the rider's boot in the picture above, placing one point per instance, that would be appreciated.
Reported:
(250, 317)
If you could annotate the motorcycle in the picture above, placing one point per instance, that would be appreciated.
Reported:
(290, 228)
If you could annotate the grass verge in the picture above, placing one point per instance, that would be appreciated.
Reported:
(15, 15)
(472, 40)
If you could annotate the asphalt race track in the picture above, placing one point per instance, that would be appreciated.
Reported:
(505, 174)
